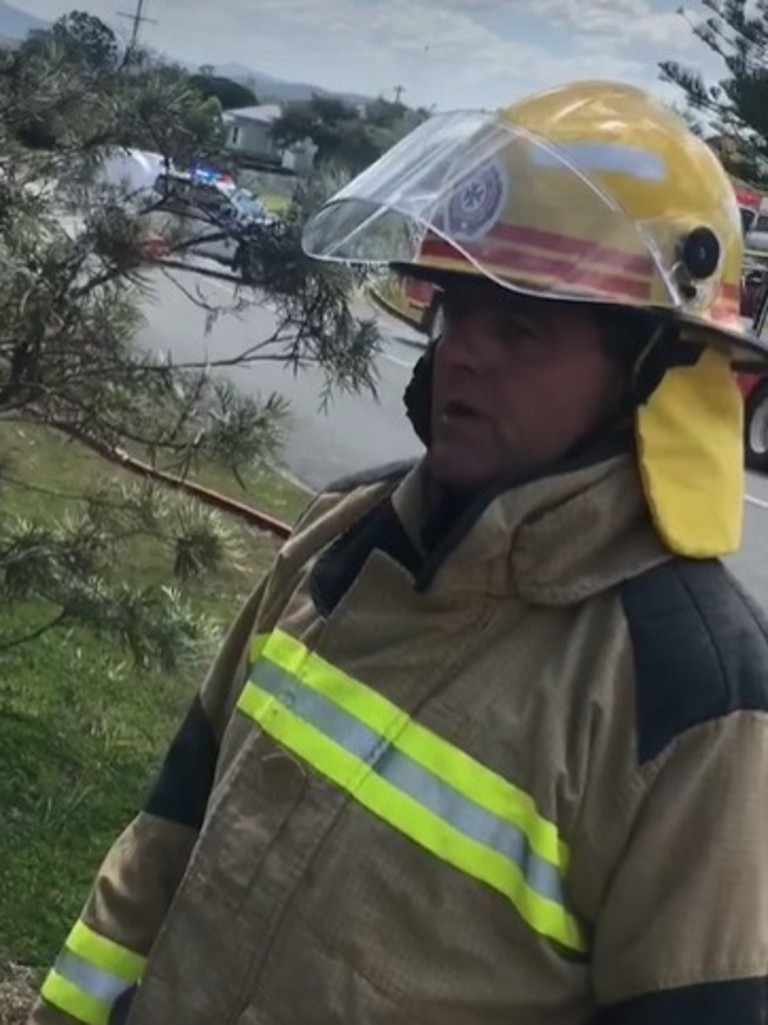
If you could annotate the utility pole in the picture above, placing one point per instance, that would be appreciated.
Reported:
(138, 19)
(399, 90)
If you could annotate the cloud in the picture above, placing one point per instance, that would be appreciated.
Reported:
(448, 52)
(444, 51)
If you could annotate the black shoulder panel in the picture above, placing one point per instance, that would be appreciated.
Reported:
(700, 649)
(732, 1001)
(376, 475)
(181, 791)
(337, 568)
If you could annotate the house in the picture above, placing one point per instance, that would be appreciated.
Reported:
(249, 139)
(249, 131)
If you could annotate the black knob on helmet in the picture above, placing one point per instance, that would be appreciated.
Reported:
(700, 253)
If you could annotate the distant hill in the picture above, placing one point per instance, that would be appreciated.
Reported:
(268, 87)
(15, 25)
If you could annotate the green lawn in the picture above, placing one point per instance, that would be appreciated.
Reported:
(81, 731)
(274, 203)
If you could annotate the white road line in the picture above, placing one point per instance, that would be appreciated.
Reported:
(761, 503)
(390, 359)
(383, 355)
(229, 289)
(398, 362)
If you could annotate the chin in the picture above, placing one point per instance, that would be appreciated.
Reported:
(456, 474)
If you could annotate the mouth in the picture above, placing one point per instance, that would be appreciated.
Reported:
(456, 409)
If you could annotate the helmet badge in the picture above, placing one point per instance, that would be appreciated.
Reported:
(477, 202)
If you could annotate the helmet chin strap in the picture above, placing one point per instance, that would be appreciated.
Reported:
(418, 396)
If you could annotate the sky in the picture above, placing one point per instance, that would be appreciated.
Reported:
(451, 53)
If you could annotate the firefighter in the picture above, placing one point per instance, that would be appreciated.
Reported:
(490, 743)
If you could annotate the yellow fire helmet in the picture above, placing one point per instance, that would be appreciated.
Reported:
(591, 192)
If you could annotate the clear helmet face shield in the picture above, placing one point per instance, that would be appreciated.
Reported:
(475, 193)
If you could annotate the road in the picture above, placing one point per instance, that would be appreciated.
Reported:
(357, 431)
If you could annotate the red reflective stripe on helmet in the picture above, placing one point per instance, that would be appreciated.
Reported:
(725, 315)
(614, 258)
(727, 305)
(507, 261)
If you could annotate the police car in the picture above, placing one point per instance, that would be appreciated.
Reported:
(213, 216)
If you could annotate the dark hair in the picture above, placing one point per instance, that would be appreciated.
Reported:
(647, 344)
(626, 332)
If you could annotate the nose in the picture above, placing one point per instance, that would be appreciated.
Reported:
(465, 341)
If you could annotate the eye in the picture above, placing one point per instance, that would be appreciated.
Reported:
(512, 330)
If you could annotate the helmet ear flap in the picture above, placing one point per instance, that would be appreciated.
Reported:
(418, 396)
(690, 454)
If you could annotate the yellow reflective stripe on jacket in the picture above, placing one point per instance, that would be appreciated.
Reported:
(72, 1000)
(105, 953)
(90, 975)
(452, 765)
(419, 783)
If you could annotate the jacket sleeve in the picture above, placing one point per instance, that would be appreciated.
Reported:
(681, 937)
(104, 956)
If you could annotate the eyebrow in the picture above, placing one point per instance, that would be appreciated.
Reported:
(520, 317)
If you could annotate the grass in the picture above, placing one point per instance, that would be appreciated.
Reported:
(274, 203)
(81, 731)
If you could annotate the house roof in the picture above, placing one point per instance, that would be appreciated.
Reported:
(264, 113)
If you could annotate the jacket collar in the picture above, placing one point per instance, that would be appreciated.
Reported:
(554, 541)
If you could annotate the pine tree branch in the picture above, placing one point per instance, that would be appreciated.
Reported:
(72, 280)
(58, 620)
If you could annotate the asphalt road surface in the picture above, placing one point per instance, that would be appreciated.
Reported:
(357, 431)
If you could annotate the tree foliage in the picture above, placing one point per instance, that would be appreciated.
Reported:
(65, 570)
(345, 136)
(230, 94)
(734, 106)
(72, 89)
(76, 260)
(84, 40)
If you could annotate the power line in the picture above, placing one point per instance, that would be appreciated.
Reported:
(138, 19)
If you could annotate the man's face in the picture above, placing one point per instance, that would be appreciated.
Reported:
(517, 383)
